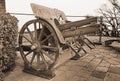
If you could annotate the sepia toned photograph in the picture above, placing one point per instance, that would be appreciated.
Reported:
(59, 40)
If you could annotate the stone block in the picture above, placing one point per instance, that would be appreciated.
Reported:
(114, 69)
(112, 77)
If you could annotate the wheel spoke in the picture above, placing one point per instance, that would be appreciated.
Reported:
(22, 53)
(35, 28)
(32, 59)
(29, 52)
(39, 25)
(38, 60)
(48, 55)
(27, 39)
(49, 36)
(31, 35)
(41, 33)
(26, 47)
(44, 60)
(49, 47)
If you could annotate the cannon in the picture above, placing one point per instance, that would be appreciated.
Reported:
(46, 41)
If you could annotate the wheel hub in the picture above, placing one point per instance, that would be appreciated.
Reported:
(36, 46)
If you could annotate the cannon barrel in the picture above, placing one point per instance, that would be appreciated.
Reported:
(81, 30)
(77, 23)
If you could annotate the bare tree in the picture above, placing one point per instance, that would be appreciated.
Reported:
(111, 17)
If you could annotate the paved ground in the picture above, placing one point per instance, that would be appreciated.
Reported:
(100, 64)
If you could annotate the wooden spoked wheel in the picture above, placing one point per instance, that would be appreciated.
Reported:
(39, 45)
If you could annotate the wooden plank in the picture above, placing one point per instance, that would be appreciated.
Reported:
(77, 23)
(81, 31)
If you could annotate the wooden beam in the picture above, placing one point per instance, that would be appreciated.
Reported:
(77, 23)
(81, 31)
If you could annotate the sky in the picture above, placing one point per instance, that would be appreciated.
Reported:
(69, 7)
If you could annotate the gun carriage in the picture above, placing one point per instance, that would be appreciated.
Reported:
(46, 42)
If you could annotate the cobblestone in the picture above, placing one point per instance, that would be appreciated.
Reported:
(76, 78)
(102, 69)
(112, 61)
(104, 64)
(112, 77)
(65, 76)
(93, 64)
(114, 69)
(98, 74)
(75, 68)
